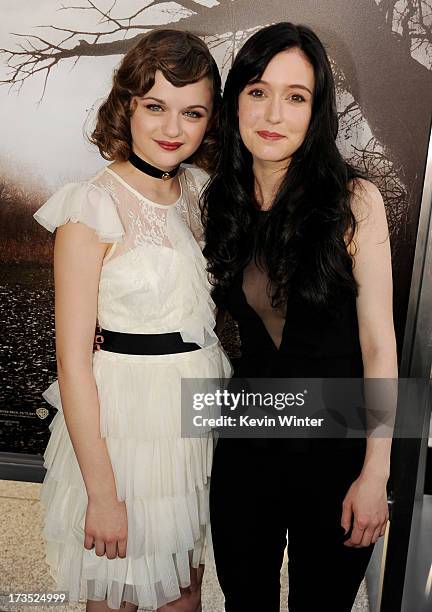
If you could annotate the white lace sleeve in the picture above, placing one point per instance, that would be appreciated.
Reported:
(196, 180)
(201, 177)
(85, 203)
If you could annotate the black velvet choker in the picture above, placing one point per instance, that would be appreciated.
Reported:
(147, 168)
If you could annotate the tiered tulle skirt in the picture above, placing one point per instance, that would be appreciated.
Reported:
(162, 477)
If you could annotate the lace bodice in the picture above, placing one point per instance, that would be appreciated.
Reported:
(144, 221)
(153, 278)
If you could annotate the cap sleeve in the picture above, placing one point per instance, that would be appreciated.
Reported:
(85, 203)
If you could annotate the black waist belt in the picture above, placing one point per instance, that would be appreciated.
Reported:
(143, 344)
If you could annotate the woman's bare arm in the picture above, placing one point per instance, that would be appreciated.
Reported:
(78, 256)
(372, 271)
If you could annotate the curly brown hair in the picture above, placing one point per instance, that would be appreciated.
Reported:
(183, 58)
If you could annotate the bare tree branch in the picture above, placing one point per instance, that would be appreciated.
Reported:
(107, 17)
(51, 53)
(372, 160)
(380, 48)
(31, 60)
(352, 106)
(425, 27)
(411, 22)
(387, 7)
(405, 21)
(28, 61)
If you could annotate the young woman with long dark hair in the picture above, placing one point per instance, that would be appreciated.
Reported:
(125, 496)
(298, 248)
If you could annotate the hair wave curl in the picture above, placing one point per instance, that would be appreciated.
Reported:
(183, 58)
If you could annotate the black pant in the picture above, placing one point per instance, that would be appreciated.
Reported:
(258, 492)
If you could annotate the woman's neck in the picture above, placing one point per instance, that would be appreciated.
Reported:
(163, 192)
(268, 177)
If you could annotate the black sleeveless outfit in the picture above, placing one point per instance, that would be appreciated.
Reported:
(260, 488)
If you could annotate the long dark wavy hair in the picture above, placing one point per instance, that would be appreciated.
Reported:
(301, 241)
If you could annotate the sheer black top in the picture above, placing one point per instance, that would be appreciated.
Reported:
(297, 340)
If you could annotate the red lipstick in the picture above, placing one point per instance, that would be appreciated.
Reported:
(169, 146)
(270, 135)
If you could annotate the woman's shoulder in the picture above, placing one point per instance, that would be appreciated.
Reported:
(368, 207)
(364, 188)
(366, 198)
(89, 202)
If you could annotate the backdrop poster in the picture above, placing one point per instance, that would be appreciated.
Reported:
(56, 61)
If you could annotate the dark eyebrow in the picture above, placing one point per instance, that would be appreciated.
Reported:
(197, 106)
(164, 103)
(292, 86)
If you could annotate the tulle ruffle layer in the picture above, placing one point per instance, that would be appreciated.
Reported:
(162, 477)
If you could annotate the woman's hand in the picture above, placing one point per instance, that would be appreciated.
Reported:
(106, 526)
(365, 507)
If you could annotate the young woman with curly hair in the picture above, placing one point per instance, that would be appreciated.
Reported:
(125, 496)
(298, 247)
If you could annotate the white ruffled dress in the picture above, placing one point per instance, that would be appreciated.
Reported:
(153, 280)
